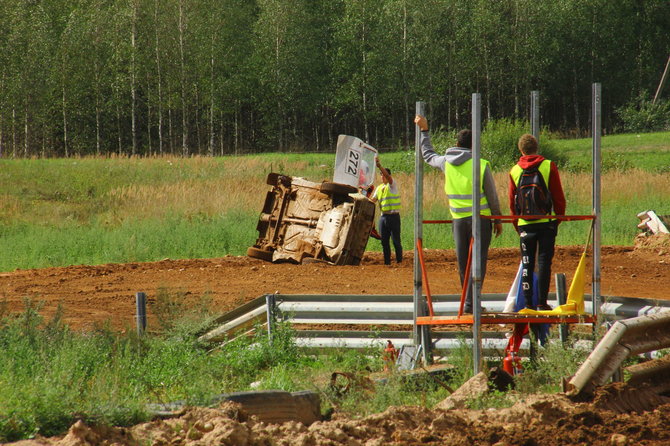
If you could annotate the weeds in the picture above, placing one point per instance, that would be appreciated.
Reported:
(493, 399)
(553, 363)
(52, 376)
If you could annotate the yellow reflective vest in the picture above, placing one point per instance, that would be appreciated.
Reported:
(458, 187)
(388, 201)
(545, 169)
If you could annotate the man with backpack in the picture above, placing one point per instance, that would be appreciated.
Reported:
(456, 164)
(535, 190)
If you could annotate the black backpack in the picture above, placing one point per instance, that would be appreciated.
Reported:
(532, 195)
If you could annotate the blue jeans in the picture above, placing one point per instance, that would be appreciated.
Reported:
(389, 227)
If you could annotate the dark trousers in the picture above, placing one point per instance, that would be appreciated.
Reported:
(389, 226)
(537, 243)
(462, 231)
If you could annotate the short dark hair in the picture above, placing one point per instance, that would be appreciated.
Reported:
(388, 170)
(464, 139)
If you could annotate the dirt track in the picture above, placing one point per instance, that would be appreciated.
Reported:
(95, 294)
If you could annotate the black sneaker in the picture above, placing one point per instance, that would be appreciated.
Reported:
(544, 307)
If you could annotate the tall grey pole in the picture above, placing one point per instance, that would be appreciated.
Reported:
(596, 131)
(535, 114)
(476, 233)
(418, 227)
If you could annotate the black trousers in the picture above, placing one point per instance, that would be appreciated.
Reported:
(537, 244)
(389, 228)
(462, 232)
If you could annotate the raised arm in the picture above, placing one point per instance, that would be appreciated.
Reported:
(427, 150)
(385, 173)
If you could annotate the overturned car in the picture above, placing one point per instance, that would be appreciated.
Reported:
(303, 221)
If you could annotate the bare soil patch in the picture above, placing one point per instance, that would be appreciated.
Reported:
(97, 294)
(94, 294)
(533, 420)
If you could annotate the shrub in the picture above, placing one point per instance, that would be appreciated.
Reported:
(499, 143)
(640, 115)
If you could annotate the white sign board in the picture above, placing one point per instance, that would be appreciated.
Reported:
(354, 162)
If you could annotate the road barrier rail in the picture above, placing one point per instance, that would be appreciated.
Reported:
(377, 312)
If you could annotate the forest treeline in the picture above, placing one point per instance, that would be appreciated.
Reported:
(188, 77)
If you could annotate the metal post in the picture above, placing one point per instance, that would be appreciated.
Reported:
(562, 298)
(476, 233)
(270, 311)
(418, 226)
(596, 122)
(535, 114)
(141, 312)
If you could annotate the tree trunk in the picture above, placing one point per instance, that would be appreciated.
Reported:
(236, 138)
(575, 99)
(160, 86)
(405, 85)
(65, 147)
(133, 92)
(365, 99)
(184, 117)
(170, 135)
(211, 97)
(198, 146)
(280, 111)
(149, 148)
(25, 128)
(118, 127)
(13, 131)
(97, 108)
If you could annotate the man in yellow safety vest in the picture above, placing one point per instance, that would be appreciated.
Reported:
(456, 164)
(388, 197)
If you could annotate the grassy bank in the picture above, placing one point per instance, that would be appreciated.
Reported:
(51, 376)
(56, 212)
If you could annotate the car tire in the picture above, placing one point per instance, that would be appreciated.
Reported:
(307, 406)
(259, 254)
(270, 406)
(337, 188)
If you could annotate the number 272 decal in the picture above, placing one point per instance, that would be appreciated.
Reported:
(352, 162)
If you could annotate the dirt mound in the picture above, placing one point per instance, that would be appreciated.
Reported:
(535, 420)
(659, 243)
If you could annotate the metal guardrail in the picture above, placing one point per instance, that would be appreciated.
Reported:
(383, 310)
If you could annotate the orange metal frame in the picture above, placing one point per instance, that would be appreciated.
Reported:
(506, 318)
(495, 318)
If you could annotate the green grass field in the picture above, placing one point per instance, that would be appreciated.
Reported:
(56, 212)
(91, 211)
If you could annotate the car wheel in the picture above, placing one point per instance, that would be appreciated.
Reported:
(270, 406)
(337, 188)
(259, 254)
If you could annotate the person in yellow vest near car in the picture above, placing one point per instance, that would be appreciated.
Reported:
(388, 197)
(535, 189)
(456, 164)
